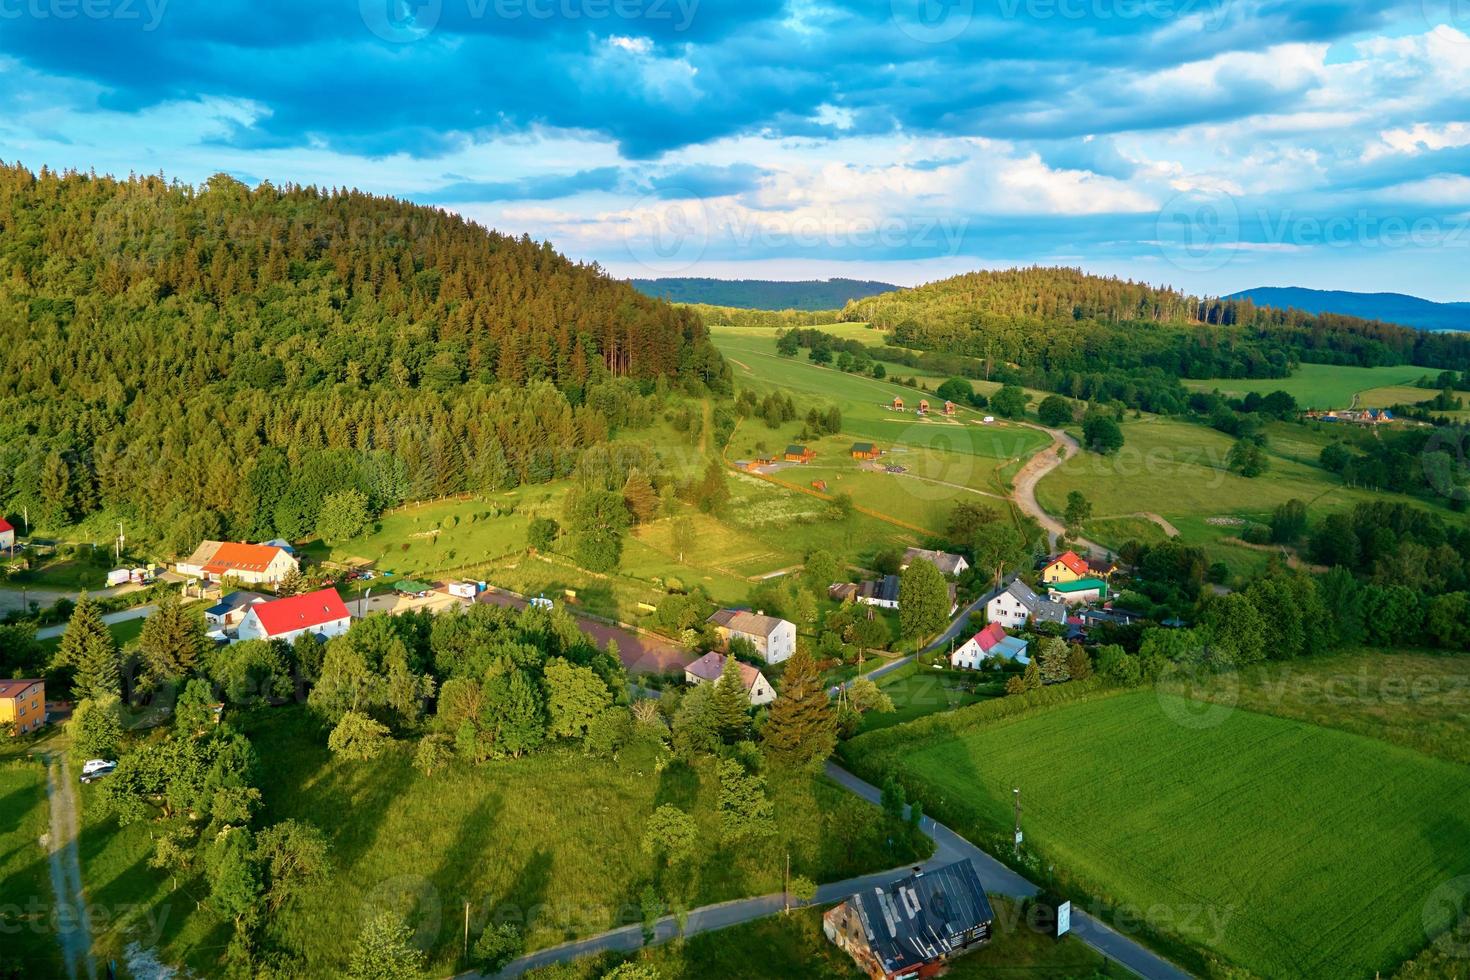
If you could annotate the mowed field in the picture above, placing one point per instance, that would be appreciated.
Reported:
(1317, 385)
(26, 900)
(1293, 850)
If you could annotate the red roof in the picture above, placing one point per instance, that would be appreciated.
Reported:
(5, 525)
(1073, 563)
(234, 556)
(710, 666)
(300, 612)
(990, 636)
(14, 689)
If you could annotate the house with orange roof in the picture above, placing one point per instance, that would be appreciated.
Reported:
(251, 564)
(1066, 567)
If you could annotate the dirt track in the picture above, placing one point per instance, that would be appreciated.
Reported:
(1063, 447)
(74, 925)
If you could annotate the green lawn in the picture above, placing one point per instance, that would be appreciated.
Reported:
(26, 899)
(918, 691)
(1306, 851)
(483, 835)
(793, 945)
(1317, 385)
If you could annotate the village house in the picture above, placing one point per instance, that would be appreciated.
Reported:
(7, 535)
(1082, 590)
(865, 450)
(883, 593)
(1102, 568)
(951, 565)
(774, 639)
(22, 705)
(1066, 567)
(251, 564)
(923, 406)
(950, 408)
(230, 611)
(708, 668)
(800, 454)
(991, 643)
(897, 404)
(911, 929)
(323, 614)
(1018, 604)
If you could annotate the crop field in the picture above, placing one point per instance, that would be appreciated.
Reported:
(1292, 849)
(1316, 385)
(424, 847)
(1390, 395)
(863, 400)
(1178, 470)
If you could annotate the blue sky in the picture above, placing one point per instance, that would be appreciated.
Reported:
(1209, 144)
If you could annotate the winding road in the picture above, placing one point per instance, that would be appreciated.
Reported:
(949, 847)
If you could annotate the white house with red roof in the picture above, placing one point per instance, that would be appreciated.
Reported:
(991, 643)
(252, 564)
(708, 668)
(7, 534)
(322, 614)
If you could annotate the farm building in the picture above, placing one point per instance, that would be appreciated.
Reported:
(944, 561)
(913, 927)
(22, 705)
(800, 454)
(322, 614)
(7, 534)
(880, 592)
(843, 591)
(1019, 604)
(774, 639)
(897, 403)
(751, 465)
(708, 668)
(252, 564)
(950, 408)
(991, 643)
(1102, 568)
(231, 610)
(865, 450)
(1082, 590)
(1066, 567)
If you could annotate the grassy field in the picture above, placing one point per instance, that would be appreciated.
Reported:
(479, 835)
(1390, 395)
(1177, 469)
(917, 692)
(1316, 385)
(794, 946)
(26, 899)
(122, 634)
(1294, 849)
(1418, 700)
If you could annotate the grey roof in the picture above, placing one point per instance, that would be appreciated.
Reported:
(235, 601)
(741, 621)
(1040, 609)
(944, 561)
(924, 917)
(884, 589)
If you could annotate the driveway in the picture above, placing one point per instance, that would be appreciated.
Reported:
(639, 652)
(74, 930)
(949, 847)
(137, 612)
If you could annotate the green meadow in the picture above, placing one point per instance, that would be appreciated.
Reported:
(1291, 849)
(1317, 385)
(25, 909)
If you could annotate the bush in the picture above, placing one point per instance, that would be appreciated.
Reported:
(497, 946)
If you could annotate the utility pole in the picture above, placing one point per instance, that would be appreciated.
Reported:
(119, 542)
(1017, 800)
(786, 885)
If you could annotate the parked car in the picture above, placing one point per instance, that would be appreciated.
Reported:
(97, 769)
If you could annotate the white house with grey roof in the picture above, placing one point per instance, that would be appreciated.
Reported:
(1018, 604)
(951, 565)
(774, 639)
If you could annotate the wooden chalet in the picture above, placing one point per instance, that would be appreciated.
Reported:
(865, 450)
(950, 408)
(897, 404)
(800, 454)
(923, 406)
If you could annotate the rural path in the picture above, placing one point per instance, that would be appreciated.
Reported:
(137, 612)
(1063, 447)
(74, 925)
(949, 847)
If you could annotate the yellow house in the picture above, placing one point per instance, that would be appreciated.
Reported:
(1065, 568)
(22, 705)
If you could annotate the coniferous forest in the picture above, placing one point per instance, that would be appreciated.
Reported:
(215, 359)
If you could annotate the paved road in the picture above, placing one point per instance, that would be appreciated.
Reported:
(137, 612)
(949, 847)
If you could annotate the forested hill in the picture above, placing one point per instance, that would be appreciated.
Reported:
(1411, 311)
(188, 354)
(1059, 320)
(762, 294)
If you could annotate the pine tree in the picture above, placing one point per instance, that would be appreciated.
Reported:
(290, 583)
(801, 730)
(1031, 679)
(87, 646)
(639, 495)
(731, 704)
(172, 641)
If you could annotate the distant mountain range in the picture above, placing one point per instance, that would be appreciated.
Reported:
(762, 294)
(1411, 311)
